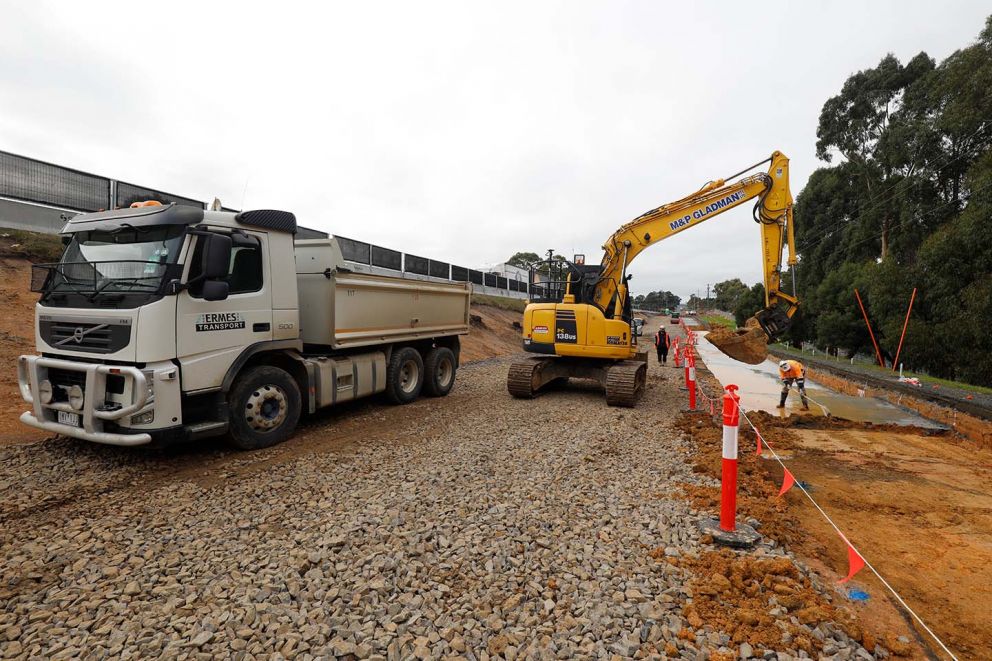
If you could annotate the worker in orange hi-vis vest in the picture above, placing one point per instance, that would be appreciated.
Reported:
(792, 371)
(661, 344)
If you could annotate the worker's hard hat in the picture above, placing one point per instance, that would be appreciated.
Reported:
(784, 366)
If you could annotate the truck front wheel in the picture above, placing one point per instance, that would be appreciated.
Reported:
(440, 368)
(404, 375)
(264, 407)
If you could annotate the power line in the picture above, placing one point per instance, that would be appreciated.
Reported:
(906, 180)
(939, 169)
(910, 220)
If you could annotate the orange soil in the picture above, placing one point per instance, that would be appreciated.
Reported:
(16, 338)
(915, 502)
(748, 344)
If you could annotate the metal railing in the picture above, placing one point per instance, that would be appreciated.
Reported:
(39, 182)
(360, 252)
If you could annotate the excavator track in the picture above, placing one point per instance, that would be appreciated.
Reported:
(524, 378)
(625, 383)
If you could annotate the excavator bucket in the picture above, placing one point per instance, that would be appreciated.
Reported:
(774, 321)
(750, 344)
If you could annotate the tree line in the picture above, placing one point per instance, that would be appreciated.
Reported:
(657, 301)
(903, 201)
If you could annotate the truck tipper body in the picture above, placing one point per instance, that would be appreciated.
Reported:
(163, 324)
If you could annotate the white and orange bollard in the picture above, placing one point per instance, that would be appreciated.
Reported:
(728, 483)
(726, 531)
(677, 357)
(691, 382)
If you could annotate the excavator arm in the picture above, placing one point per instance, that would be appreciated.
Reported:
(772, 211)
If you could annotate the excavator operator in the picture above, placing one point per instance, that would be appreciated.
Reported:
(792, 371)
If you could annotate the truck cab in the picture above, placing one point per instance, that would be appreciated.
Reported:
(171, 323)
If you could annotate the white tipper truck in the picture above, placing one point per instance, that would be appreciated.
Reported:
(170, 323)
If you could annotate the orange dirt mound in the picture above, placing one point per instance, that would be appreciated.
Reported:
(734, 593)
(748, 344)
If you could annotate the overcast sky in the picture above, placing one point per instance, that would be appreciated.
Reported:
(462, 131)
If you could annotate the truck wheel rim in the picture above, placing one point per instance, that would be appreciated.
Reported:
(266, 408)
(444, 373)
(409, 376)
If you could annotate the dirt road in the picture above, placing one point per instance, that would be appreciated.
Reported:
(475, 526)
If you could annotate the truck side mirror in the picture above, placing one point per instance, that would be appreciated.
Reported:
(216, 257)
(215, 290)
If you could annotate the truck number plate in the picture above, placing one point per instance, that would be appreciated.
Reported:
(66, 418)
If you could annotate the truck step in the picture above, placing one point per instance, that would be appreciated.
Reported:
(206, 430)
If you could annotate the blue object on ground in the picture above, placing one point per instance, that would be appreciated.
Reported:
(857, 595)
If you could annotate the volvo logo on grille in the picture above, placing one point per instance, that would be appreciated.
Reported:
(80, 333)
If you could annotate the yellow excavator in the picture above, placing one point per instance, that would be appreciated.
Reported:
(583, 327)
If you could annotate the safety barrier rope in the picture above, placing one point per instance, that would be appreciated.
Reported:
(712, 400)
(789, 481)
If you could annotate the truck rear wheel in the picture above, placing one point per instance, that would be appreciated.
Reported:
(404, 375)
(440, 368)
(264, 407)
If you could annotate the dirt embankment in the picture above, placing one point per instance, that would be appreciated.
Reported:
(16, 338)
(915, 502)
(494, 332)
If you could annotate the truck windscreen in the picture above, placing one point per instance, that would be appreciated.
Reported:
(123, 260)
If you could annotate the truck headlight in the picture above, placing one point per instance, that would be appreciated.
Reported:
(45, 391)
(145, 418)
(76, 398)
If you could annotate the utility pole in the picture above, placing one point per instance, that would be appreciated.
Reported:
(707, 292)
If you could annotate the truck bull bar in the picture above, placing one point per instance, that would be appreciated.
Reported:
(92, 413)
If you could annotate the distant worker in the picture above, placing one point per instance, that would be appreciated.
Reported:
(661, 343)
(792, 371)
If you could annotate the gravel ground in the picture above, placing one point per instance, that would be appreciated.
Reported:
(474, 526)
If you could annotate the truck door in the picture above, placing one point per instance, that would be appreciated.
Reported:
(210, 335)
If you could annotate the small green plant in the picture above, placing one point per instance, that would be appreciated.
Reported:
(717, 320)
